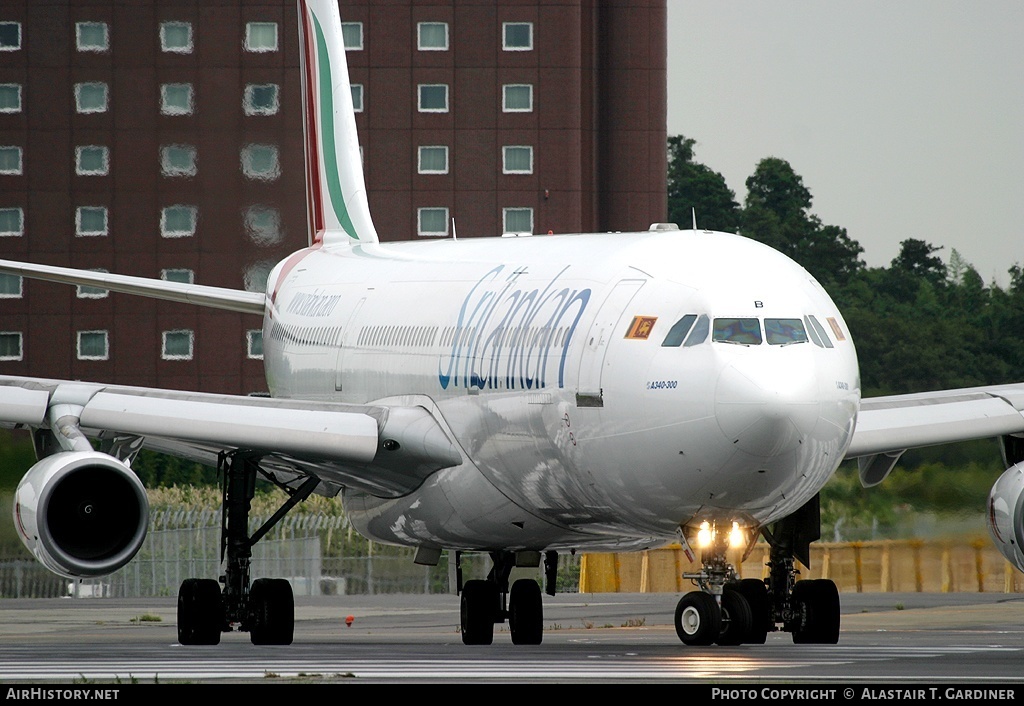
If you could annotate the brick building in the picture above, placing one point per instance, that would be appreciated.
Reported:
(162, 138)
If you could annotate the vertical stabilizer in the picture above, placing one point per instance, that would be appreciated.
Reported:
(335, 191)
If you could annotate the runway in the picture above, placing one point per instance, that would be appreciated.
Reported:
(906, 639)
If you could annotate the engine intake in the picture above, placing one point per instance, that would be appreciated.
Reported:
(1006, 514)
(82, 514)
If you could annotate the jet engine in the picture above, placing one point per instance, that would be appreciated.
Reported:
(1006, 514)
(81, 513)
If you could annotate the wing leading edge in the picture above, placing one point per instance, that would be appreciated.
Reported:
(888, 426)
(383, 450)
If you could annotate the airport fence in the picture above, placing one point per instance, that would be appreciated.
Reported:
(307, 549)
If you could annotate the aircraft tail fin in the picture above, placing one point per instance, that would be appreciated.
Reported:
(335, 189)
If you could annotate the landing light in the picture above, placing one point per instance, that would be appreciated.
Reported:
(704, 535)
(736, 536)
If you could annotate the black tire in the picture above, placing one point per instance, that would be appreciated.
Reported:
(736, 619)
(756, 594)
(526, 613)
(272, 612)
(818, 601)
(698, 619)
(200, 615)
(479, 607)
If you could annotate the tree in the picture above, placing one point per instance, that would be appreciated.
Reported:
(777, 213)
(695, 188)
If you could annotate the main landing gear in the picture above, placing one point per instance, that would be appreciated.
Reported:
(486, 602)
(265, 608)
(733, 611)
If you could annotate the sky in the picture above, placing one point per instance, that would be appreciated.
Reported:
(905, 118)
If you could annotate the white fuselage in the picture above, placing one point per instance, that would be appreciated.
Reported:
(543, 358)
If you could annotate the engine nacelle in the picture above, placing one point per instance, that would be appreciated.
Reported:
(82, 514)
(1006, 514)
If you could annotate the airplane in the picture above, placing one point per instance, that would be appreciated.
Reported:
(517, 395)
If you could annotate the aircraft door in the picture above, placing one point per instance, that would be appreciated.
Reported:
(348, 338)
(611, 314)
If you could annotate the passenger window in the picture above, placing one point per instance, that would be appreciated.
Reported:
(782, 332)
(820, 330)
(678, 332)
(699, 334)
(744, 332)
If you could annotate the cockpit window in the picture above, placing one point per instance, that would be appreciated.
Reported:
(820, 331)
(782, 332)
(699, 334)
(744, 332)
(678, 332)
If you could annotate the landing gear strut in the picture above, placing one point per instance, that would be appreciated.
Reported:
(733, 611)
(265, 608)
(486, 602)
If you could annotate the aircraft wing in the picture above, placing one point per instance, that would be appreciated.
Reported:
(384, 450)
(202, 295)
(887, 426)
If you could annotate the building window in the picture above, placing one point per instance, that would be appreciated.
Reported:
(256, 275)
(263, 225)
(93, 345)
(176, 37)
(10, 345)
(12, 222)
(177, 345)
(91, 97)
(433, 159)
(178, 160)
(352, 35)
(357, 97)
(178, 221)
(260, 162)
(517, 220)
(84, 291)
(517, 36)
(260, 99)
(10, 286)
(10, 36)
(254, 344)
(10, 160)
(517, 159)
(92, 36)
(261, 36)
(433, 97)
(517, 98)
(91, 220)
(10, 97)
(176, 98)
(92, 160)
(433, 36)
(185, 276)
(432, 221)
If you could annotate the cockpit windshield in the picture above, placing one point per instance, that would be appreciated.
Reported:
(782, 332)
(744, 332)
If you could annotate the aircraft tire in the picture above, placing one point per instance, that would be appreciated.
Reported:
(698, 619)
(478, 609)
(819, 599)
(756, 594)
(526, 613)
(272, 610)
(199, 612)
(737, 620)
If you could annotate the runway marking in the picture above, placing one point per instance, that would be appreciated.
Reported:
(592, 667)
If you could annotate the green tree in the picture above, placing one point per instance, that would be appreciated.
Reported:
(693, 188)
(777, 213)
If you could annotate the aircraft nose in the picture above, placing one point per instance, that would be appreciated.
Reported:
(766, 404)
